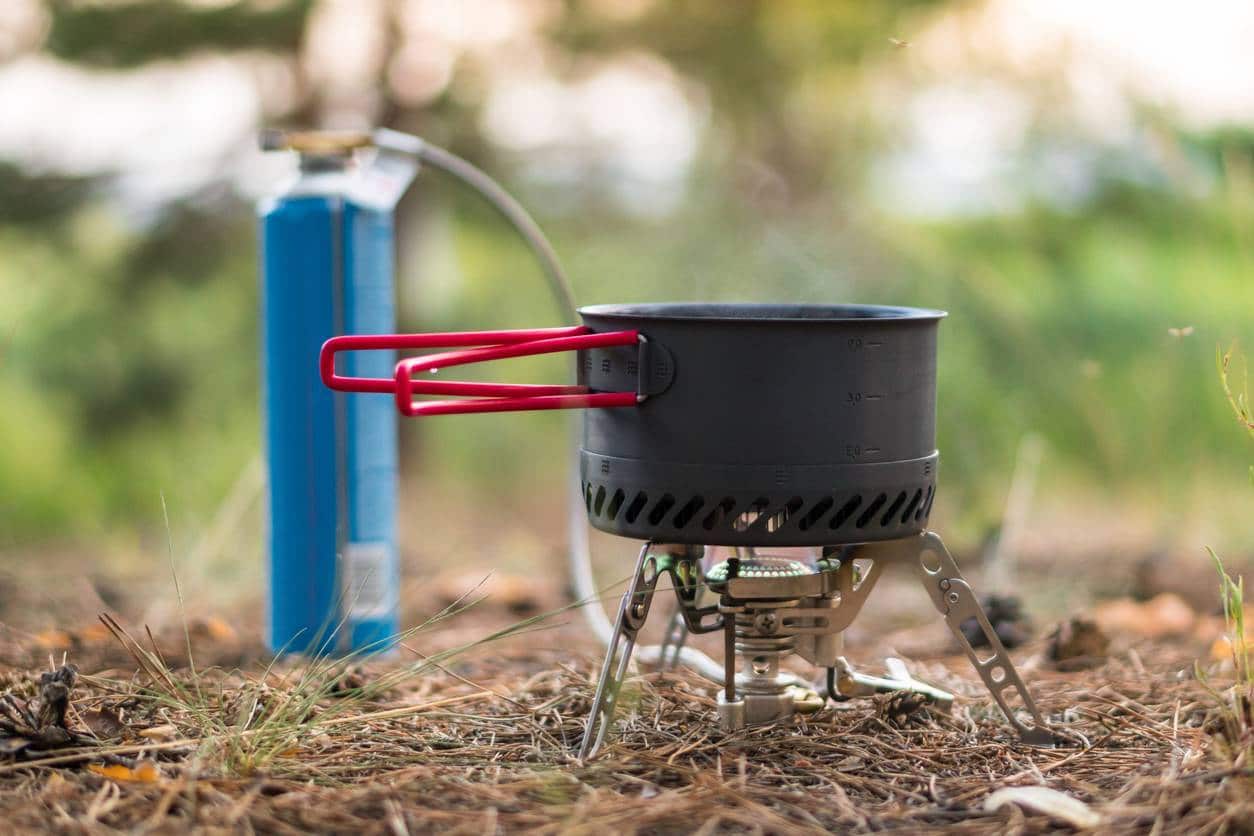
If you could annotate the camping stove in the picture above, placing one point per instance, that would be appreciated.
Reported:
(769, 607)
(776, 459)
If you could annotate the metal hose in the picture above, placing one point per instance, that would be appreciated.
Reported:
(496, 196)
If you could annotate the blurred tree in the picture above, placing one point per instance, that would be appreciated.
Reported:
(35, 199)
(128, 345)
(133, 32)
(778, 73)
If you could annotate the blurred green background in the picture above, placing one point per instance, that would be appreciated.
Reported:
(1072, 184)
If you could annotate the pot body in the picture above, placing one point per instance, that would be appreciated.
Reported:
(784, 425)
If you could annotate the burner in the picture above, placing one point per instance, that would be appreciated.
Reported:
(754, 427)
(755, 567)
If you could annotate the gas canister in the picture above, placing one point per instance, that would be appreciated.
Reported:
(327, 257)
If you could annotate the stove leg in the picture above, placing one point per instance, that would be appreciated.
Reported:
(957, 602)
(632, 613)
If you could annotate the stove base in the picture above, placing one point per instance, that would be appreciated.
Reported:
(767, 612)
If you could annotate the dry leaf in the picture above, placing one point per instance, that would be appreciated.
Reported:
(13, 745)
(103, 722)
(213, 628)
(1052, 803)
(1163, 615)
(57, 788)
(162, 732)
(1209, 628)
(519, 594)
(144, 772)
(1076, 644)
(1221, 650)
(54, 640)
(93, 634)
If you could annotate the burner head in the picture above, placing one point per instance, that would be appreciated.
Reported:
(770, 577)
(762, 425)
(759, 567)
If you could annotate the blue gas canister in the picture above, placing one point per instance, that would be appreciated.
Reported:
(327, 254)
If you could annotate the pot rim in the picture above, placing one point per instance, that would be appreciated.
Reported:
(760, 312)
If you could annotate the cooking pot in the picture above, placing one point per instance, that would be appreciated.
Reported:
(718, 424)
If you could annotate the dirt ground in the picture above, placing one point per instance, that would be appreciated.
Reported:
(482, 740)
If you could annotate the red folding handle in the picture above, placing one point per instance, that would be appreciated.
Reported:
(480, 346)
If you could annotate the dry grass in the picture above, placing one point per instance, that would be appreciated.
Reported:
(442, 752)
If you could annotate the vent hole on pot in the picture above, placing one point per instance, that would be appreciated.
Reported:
(893, 509)
(816, 513)
(870, 510)
(911, 506)
(846, 511)
(616, 503)
(777, 520)
(587, 496)
(750, 516)
(926, 507)
(658, 513)
(599, 501)
(636, 506)
(689, 511)
(720, 513)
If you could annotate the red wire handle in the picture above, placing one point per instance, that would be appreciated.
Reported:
(481, 346)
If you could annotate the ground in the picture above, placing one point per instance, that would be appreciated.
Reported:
(481, 739)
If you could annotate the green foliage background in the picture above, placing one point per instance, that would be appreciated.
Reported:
(128, 351)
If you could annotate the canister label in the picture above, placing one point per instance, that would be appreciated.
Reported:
(367, 589)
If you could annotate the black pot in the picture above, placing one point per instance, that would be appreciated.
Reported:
(784, 425)
(717, 424)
